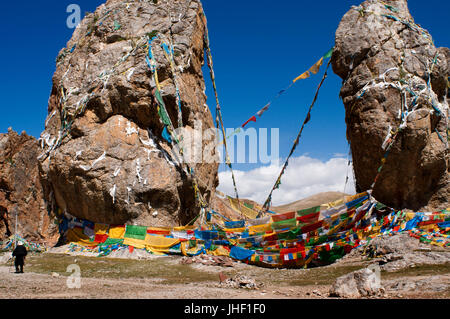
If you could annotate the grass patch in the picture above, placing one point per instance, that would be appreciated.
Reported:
(162, 268)
(300, 277)
(322, 276)
(419, 270)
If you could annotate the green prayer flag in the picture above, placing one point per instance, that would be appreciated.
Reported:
(288, 235)
(328, 54)
(136, 232)
(285, 223)
(111, 241)
(308, 211)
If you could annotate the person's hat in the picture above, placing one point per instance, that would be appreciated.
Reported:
(19, 243)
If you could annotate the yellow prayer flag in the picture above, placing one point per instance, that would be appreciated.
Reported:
(117, 232)
(220, 251)
(77, 236)
(242, 209)
(338, 202)
(160, 242)
(303, 76)
(248, 212)
(183, 228)
(136, 243)
(259, 228)
(184, 247)
(354, 197)
(316, 67)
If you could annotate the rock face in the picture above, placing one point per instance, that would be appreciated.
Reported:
(402, 251)
(21, 190)
(103, 155)
(386, 62)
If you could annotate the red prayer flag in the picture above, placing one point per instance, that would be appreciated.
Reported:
(429, 222)
(252, 119)
(284, 216)
(158, 232)
(312, 227)
(100, 238)
(308, 219)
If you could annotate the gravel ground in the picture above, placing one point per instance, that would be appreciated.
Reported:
(45, 277)
(408, 270)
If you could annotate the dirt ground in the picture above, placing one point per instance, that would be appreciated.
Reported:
(46, 277)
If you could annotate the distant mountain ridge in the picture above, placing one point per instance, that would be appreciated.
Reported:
(314, 200)
(222, 205)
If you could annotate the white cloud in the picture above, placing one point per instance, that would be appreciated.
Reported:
(305, 176)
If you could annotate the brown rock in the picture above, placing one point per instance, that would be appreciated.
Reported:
(222, 277)
(113, 166)
(21, 191)
(382, 61)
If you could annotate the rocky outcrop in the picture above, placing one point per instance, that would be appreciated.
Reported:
(395, 80)
(400, 251)
(21, 190)
(104, 158)
(361, 283)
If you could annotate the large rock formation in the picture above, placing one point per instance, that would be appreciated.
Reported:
(113, 166)
(21, 190)
(386, 62)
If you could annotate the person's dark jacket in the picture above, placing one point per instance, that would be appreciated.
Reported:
(20, 252)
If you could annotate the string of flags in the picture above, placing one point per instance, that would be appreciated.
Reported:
(296, 142)
(168, 132)
(318, 235)
(312, 70)
(219, 120)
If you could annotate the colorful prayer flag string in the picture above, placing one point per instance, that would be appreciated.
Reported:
(296, 142)
(219, 120)
(312, 70)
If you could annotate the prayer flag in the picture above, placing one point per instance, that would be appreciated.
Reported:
(252, 119)
(328, 54)
(303, 76)
(316, 67)
(265, 108)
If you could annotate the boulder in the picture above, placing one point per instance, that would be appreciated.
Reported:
(361, 283)
(398, 251)
(395, 80)
(5, 258)
(240, 282)
(21, 191)
(103, 156)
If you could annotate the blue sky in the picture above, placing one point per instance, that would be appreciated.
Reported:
(258, 48)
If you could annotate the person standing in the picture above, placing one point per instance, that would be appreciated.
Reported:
(20, 253)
